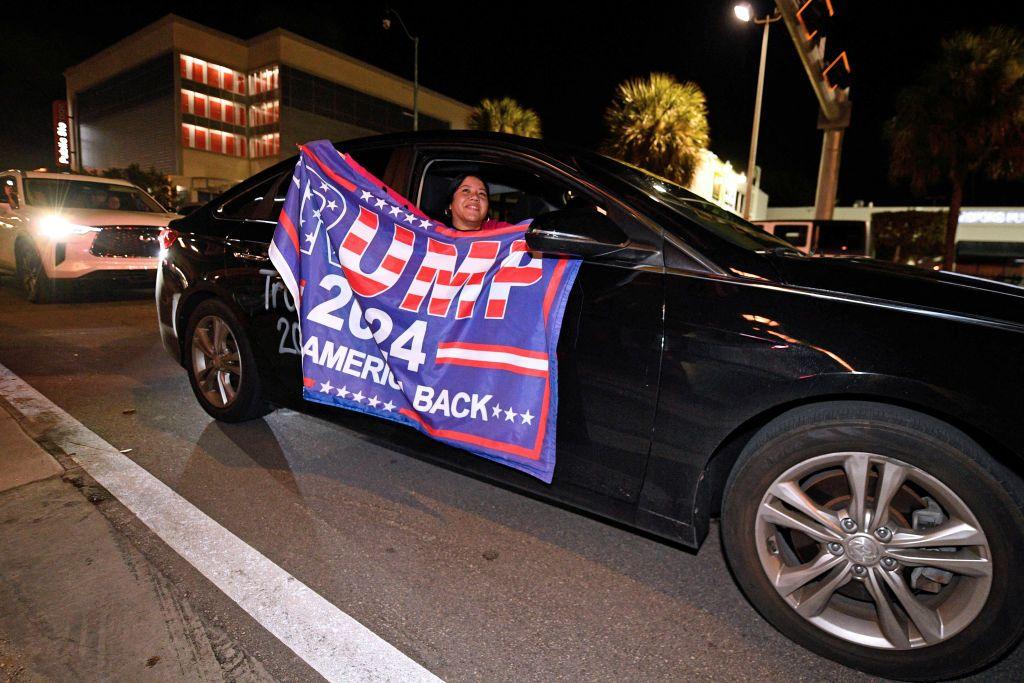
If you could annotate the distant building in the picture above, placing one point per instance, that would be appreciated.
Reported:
(716, 180)
(210, 109)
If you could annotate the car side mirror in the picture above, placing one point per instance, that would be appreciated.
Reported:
(586, 233)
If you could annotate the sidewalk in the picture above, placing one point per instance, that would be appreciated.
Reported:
(77, 600)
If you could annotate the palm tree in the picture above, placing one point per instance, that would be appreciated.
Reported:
(659, 124)
(505, 115)
(964, 117)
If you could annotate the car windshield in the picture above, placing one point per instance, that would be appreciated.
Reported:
(80, 194)
(690, 206)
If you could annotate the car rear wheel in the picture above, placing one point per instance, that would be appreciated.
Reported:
(37, 285)
(221, 365)
(879, 537)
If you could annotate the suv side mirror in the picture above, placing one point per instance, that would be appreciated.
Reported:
(586, 233)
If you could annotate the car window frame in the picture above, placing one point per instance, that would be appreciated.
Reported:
(426, 153)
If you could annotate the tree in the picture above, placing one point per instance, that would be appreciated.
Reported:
(659, 124)
(152, 181)
(909, 236)
(964, 117)
(505, 115)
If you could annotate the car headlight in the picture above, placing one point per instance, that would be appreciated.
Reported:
(57, 227)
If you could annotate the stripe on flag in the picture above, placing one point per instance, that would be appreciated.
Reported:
(493, 356)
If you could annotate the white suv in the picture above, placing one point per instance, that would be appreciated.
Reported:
(58, 227)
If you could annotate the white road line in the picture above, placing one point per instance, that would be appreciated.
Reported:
(330, 641)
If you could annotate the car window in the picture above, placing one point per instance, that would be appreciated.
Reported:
(81, 194)
(263, 202)
(245, 205)
(9, 191)
(374, 160)
(794, 233)
(685, 204)
(516, 194)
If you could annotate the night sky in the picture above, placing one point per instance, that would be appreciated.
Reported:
(563, 62)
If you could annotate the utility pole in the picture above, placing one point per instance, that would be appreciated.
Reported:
(803, 20)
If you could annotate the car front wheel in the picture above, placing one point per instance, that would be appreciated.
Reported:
(221, 365)
(879, 537)
(37, 285)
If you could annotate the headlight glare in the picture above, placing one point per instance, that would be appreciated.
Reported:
(56, 226)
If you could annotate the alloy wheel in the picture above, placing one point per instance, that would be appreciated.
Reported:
(873, 550)
(215, 361)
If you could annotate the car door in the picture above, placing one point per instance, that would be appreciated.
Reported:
(9, 219)
(609, 349)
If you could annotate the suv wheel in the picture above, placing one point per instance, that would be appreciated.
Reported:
(221, 365)
(879, 537)
(37, 285)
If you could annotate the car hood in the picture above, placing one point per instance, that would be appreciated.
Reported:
(903, 285)
(101, 217)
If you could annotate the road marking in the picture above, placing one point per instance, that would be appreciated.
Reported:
(330, 641)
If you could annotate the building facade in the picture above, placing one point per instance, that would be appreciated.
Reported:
(717, 181)
(210, 109)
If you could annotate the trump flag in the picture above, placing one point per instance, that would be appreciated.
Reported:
(452, 333)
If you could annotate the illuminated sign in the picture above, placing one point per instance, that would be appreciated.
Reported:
(992, 217)
(61, 134)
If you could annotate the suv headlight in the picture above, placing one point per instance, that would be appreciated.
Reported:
(57, 227)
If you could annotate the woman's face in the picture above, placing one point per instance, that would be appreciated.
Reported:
(469, 204)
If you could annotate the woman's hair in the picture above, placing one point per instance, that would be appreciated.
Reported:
(455, 184)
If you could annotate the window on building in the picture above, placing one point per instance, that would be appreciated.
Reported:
(212, 140)
(213, 75)
(264, 80)
(265, 113)
(262, 146)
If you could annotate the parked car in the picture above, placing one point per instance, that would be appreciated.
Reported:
(820, 237)
(855, 424)
(57, 228)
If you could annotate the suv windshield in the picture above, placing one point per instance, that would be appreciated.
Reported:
(690, 206)
(81, 194)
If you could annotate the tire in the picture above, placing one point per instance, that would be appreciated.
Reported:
(37, 285)
(933, 476)
(221, 366)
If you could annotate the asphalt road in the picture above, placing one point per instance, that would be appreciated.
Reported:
(472, 581)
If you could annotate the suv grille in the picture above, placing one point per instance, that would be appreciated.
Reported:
(126, 241)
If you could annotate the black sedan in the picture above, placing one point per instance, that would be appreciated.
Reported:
(856, 425)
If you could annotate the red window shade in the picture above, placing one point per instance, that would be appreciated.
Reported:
(183, 64)
(216, 110)
(200, 105)
(200, 138)
(186, 139)
(185, 97)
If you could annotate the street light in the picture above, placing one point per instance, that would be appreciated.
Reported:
(745, 13)
(386, 23)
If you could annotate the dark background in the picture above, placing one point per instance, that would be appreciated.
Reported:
(563, 61)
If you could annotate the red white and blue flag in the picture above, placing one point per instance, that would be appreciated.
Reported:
(453, 333)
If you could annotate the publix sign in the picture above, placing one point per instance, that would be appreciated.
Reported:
(61, 134)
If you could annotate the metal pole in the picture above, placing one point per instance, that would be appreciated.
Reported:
(828, 174)
(751, 167)
(416, 83)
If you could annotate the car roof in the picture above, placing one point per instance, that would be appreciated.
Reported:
(553, 151)
(74, 177)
